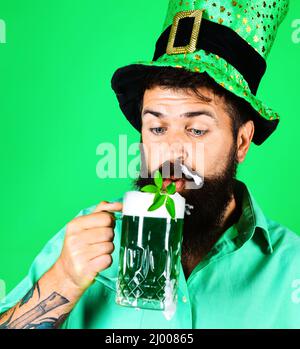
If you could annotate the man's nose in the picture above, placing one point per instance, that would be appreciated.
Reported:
(178, 150)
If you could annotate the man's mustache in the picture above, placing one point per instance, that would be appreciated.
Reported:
(174, 170)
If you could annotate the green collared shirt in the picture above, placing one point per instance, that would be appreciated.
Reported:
(250, 279)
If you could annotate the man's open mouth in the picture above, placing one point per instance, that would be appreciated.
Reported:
(179, 182)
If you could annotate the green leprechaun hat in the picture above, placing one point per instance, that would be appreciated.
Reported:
(229, 40)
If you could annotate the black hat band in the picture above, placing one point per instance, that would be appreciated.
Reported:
(220, 40)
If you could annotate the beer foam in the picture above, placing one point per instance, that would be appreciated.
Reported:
(196, 178)
(136, 203)
(170, 302)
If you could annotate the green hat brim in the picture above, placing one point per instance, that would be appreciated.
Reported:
(127, 82)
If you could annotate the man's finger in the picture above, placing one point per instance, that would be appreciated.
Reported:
(97, 250)
(92, 220)
(96, 235)
(109, 206)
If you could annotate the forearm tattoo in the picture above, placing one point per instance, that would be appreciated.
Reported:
(36, 318)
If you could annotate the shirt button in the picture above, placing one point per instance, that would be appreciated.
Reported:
(184, 299)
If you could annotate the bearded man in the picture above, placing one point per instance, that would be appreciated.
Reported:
(239, 268)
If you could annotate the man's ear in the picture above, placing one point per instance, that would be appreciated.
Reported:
(244, 139)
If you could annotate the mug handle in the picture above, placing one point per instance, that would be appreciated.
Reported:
(118, 216)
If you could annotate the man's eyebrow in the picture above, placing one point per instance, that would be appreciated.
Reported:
(187, 115)
(198, 113)
(154, 113)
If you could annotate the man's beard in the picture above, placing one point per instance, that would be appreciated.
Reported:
(204, 225)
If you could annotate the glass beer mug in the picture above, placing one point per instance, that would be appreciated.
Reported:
(150, 253)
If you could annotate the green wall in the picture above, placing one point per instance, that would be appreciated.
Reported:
(56, 106)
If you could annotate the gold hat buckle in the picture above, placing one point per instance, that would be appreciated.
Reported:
(191, 47)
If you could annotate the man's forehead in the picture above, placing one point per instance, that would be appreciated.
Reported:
(160, 102)
(180, 94)
(174, 102)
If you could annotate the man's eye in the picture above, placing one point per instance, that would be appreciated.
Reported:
(157, 130)
(198, 132)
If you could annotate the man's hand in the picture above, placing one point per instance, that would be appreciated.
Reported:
(88, 245)
(86, 251)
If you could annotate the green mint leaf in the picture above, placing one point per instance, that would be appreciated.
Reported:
(170, 206)
(156, 197)
(158, 179)
(150, 188)
(158, 202)
(171, 188)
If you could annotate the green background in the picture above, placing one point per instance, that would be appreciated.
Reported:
(56, 106)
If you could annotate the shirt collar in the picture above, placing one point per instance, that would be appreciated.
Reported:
(252, 219)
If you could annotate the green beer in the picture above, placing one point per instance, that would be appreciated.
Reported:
(150, 252)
